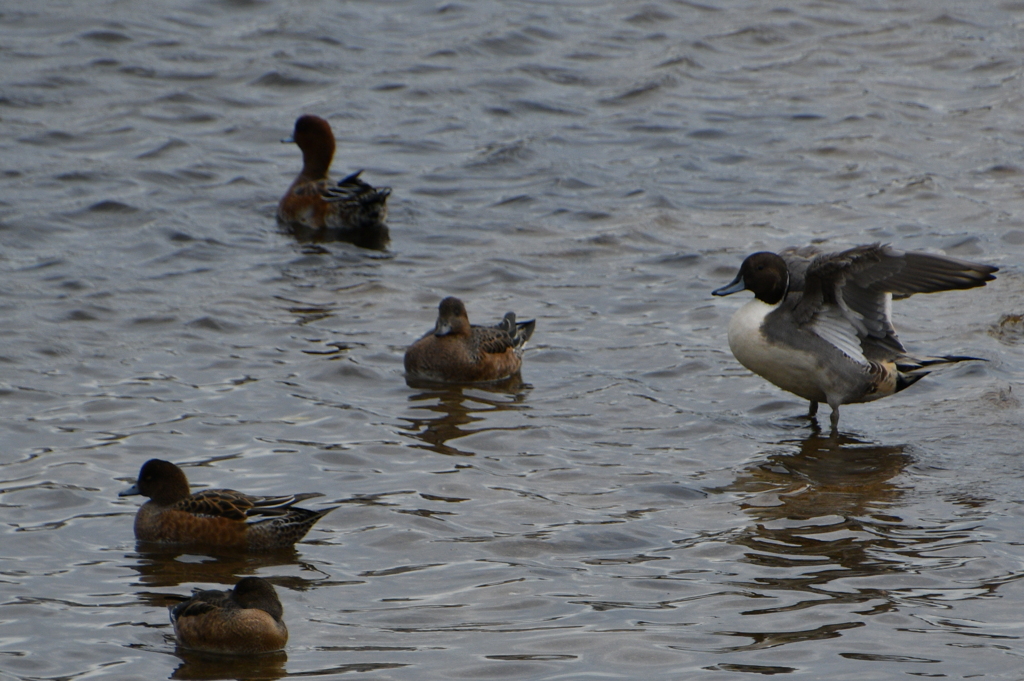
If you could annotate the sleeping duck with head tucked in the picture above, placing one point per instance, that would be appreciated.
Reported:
(819, 325)
(245, 620)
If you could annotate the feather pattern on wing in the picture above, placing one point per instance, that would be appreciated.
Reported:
(861, 282)
(234, 505)
(353, 190)
(834, 327)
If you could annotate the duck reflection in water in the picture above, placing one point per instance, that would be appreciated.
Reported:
(453, 407)
(161, 567)
(827, 475)
(824, 510)
(198, 665)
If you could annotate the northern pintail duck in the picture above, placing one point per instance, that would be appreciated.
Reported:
(244, 620)
(350, 211)
(819, 323)
(215, 518)
(457, 352)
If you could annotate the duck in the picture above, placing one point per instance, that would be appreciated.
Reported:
(314, 209)
(244, 620)
(216, 518)
(819, 325)
(455, 351)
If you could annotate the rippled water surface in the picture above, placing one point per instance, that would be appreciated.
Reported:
(639, 507)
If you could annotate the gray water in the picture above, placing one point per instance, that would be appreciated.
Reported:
(640, 507)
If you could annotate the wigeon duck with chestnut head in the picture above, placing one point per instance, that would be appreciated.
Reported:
(314, 209)
(215, 518)
(241, 621)
(457, 352)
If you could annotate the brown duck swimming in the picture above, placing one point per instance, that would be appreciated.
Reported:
(215, 518)
(314, 209)
(244, 620)
(457, 352)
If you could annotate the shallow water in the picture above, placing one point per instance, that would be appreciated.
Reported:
(640, 506)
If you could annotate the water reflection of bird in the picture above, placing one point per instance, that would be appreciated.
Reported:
(459, 406)
(838, 476)
(161, 566)
(200, 666)
(819, 323)
(823, 510)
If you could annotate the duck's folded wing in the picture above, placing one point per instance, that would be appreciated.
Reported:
(353, 189)
(518, 332)
(233, 505)
(508, 323)
(492, 339)
(217, 503)
(201, 603)
(524, 331)
(278, 505)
